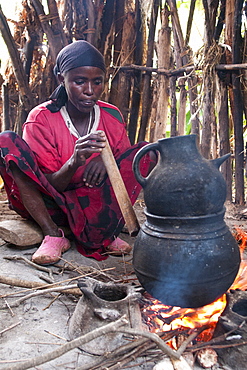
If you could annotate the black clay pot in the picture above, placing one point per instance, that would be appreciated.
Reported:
(183, 183)
(184, 254)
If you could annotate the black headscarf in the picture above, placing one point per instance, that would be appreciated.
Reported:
(78, 54)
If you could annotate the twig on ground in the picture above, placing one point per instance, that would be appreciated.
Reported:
(34, 285)
(46, 279)
(133, 349)
(41, 292)
(55, 335)
(10, 327)
(45, 343)
(38, 360)
(11, 311)
(155, 338)
(51, 302)
(38, 267)
(90, 269)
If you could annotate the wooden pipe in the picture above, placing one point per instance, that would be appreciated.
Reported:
(120, 190)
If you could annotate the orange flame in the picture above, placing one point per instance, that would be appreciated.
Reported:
(159, 317)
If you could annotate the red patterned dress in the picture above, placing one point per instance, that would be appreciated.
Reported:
(92, 214)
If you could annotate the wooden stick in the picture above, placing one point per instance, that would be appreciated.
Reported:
(38, 267)
(120, 190)
(41, 292)
(10, 327)
(155, 338)
(131, 350)
(33, 285)
(36, 285)
(38, 360)
(179, 71)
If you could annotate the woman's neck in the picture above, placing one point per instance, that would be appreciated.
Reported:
(83, 122)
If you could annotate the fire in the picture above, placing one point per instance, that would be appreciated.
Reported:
(159, 317)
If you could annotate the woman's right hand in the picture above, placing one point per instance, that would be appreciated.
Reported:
(87, 145)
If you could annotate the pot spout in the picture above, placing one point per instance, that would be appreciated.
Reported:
(217, 162)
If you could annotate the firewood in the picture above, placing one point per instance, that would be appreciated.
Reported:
(38, 360)
(33, 285)
(207, 357)
(41, 292)
(35, 265)
(180, 364)
(156, 339)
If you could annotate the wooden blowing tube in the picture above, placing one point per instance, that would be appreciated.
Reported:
(120, 190)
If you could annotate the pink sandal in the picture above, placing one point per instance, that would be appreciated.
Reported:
(118, 247)
(51, 249)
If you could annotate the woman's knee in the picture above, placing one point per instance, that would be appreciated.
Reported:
(6, 136)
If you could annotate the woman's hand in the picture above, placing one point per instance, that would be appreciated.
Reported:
(84, 148)
(87, 145)
(95, 172)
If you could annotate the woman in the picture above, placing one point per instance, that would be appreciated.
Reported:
(56, 175)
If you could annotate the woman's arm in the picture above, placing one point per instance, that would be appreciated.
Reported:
(84, 148)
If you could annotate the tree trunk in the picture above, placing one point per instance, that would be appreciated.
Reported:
(55, 38)
(146, 98)
(6, 110)
(119, 18)
(164, 61)
(26, 97)
(182, 57)
(56, 24)
(90, 31)
(173, 98)
(238, 106)
(224, 137)
(210, 49)
(126, 58)
(182, 105)
(136, 94)
(190, 21)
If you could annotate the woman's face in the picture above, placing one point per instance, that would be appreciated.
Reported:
(84, 86)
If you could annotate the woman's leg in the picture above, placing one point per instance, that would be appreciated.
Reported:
(54, 243)
(33, 201)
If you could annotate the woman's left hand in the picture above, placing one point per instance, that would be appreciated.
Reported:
(95, 172)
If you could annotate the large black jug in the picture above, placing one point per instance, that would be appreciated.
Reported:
(184, 254)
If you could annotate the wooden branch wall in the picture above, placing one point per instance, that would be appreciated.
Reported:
(151, 71)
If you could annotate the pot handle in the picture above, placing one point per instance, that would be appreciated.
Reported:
(138, 157)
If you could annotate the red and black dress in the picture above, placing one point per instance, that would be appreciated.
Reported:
(92, 214)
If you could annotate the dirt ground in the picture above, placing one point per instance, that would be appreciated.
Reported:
(40, 324)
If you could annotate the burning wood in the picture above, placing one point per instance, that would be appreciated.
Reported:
(161, 318)
(207, 357)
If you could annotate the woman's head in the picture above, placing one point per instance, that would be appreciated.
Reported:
(80, 69)
(84, 86)
(78, 54)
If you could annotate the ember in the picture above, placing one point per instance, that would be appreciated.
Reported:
(161, 318)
